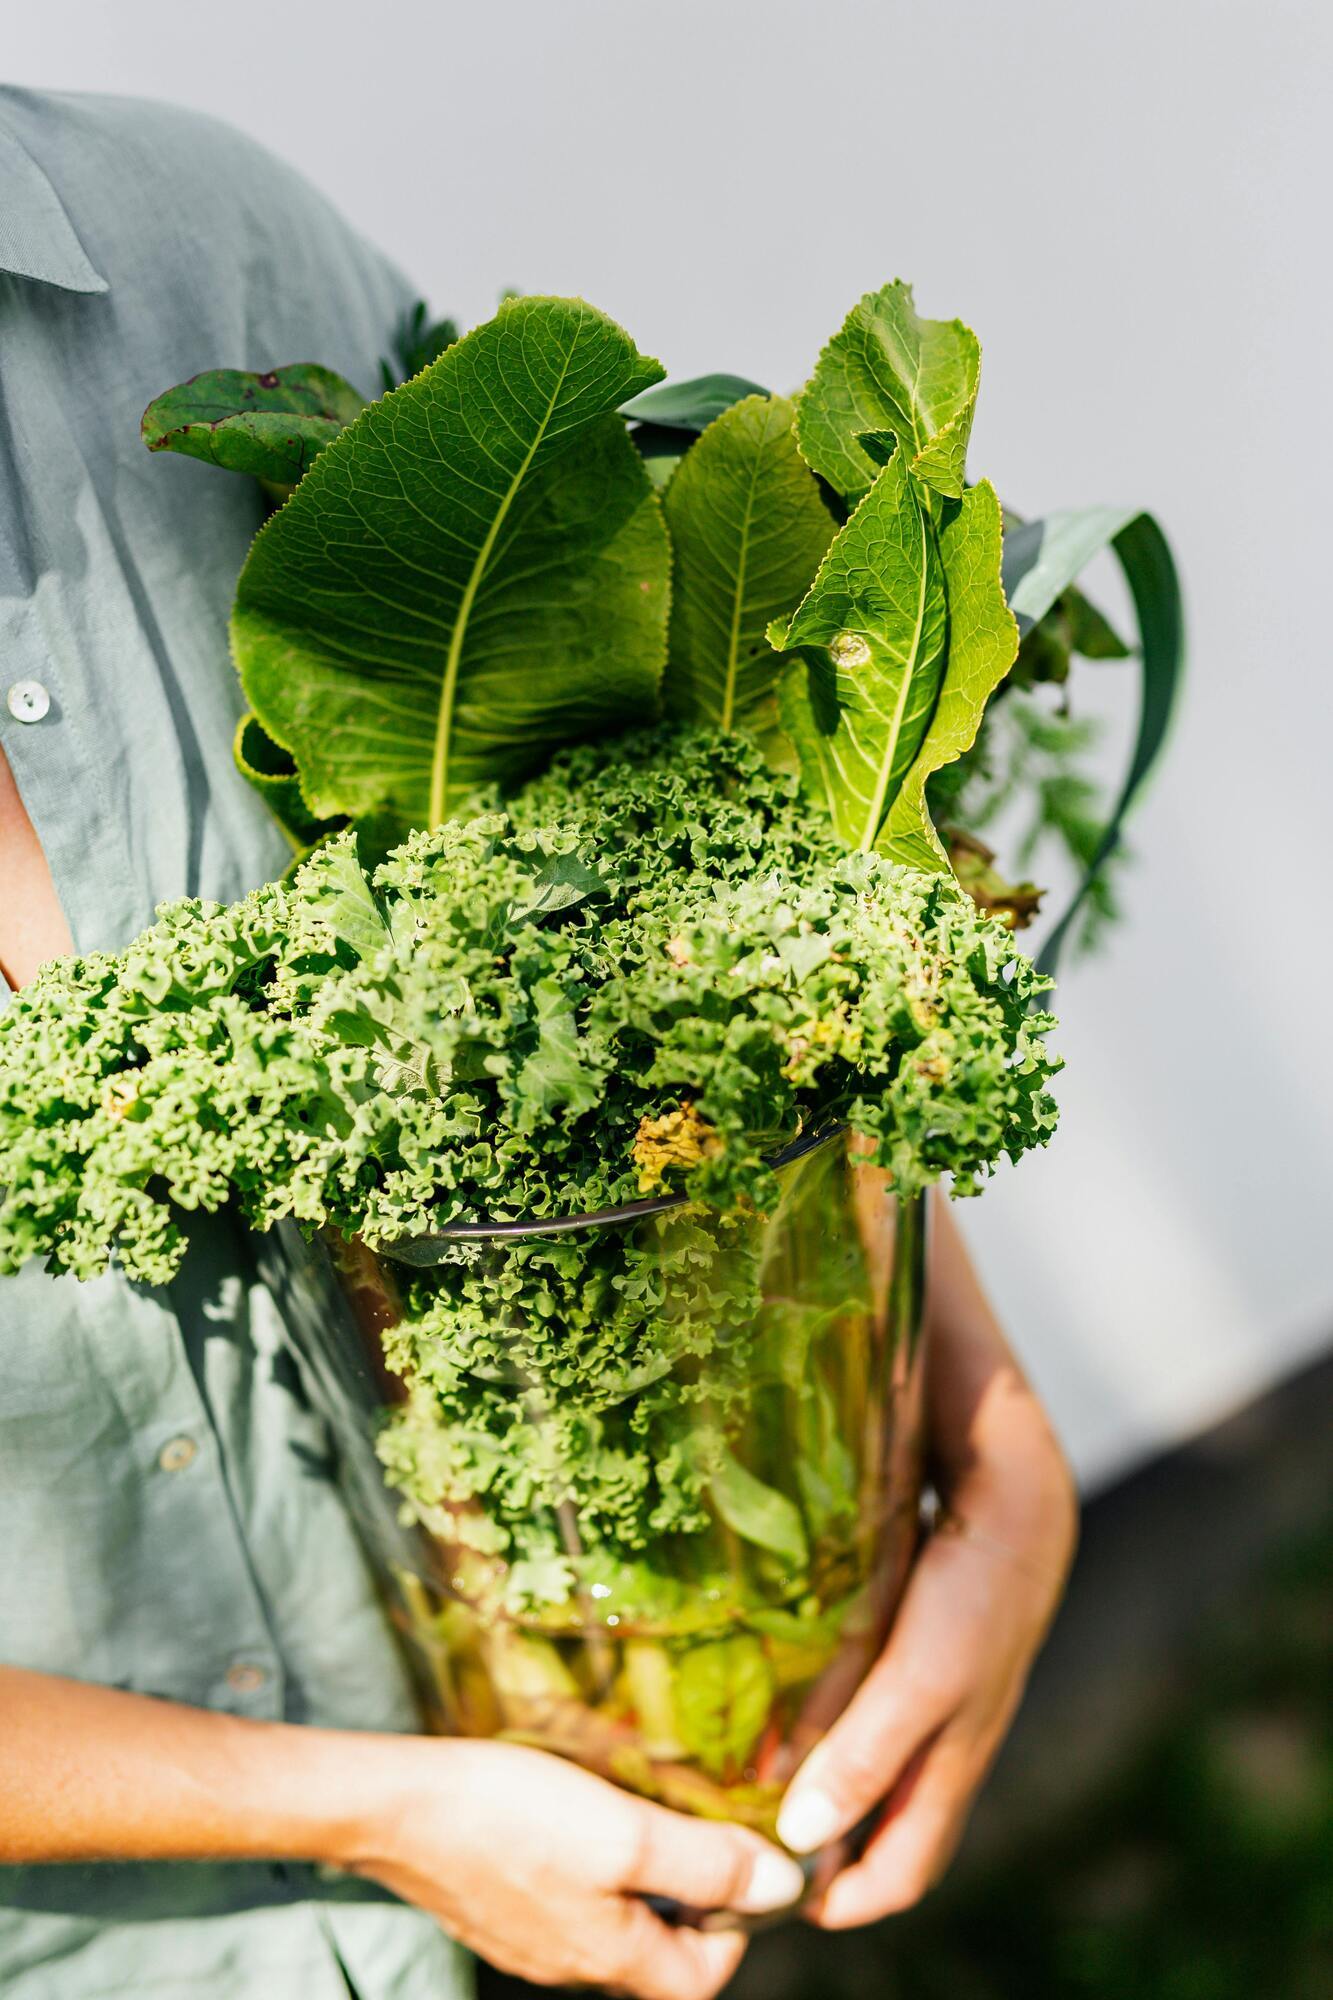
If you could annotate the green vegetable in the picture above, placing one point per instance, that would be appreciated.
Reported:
(723, 1693)
(982, 641)
(748, 529)
(886, 371)
(408, 641)
(553, 978)
(391, 700)
(418, 340)
(541, 953)
(875, 623)
(272, 425)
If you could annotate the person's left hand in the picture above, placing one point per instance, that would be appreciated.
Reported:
(922, 1730)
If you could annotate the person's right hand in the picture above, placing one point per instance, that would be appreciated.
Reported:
(542, 1868)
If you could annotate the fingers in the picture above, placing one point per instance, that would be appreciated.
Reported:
(913, 1846)
(908, 1696)
(656, 1962)
(708, 1865)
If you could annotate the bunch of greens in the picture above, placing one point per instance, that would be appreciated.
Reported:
(601, 992)
(625, 735)
(817, 571)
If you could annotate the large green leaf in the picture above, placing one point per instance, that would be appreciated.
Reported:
(886, 369)
(983, 639)
(1041, 559)
(474, 573)
(872, 634)
(669, 418)
(271, 426)
(748, 530)
(271, 771)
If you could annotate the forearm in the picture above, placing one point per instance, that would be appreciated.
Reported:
(996, 1457)
(89, 1773)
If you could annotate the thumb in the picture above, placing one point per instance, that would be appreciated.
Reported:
(708, 1865)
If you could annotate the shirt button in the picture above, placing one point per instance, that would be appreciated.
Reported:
(243, 1678)
(28, 701)
(176, 1454)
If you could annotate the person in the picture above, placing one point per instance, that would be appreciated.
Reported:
(210, 1782)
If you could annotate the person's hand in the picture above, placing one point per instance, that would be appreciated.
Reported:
(920, 1733)
(542, 1868)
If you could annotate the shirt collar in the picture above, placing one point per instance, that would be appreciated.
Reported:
(37, 238)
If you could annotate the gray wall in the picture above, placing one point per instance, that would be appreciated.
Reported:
(1130, 203)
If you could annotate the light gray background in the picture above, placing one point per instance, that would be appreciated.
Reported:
(1131, 205)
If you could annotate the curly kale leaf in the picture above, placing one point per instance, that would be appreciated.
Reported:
(488, 1025)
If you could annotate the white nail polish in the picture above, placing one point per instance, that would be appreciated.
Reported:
(807, 1820)
(775, 1881)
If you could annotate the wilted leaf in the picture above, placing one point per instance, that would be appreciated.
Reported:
(271, 426)
(1015, 903)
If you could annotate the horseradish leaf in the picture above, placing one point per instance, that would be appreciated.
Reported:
(872, 634)
(476, 572)
(983, 640)
(271, 426)
(886, 369)
(748, 530)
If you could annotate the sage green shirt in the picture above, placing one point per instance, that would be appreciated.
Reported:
(168, 1517)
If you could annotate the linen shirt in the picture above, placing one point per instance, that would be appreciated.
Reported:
(169, 1520)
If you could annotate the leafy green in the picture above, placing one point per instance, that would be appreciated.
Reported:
(271, 425)
(983, 640)
(269, 768)
(722, 1694)
(689, 406)
(1041, 559)
(748, 530)
(757, 1512)
(684, 974)
(875, 628)
(1072, 627)
(888, 370)
(409, 641)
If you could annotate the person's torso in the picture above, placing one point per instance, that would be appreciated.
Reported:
(169, 1520)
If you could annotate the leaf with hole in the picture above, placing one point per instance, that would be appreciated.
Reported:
(271, 425)
(872, 635)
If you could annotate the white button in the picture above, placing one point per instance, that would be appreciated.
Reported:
(245, 1678)
(28, 701)
(176, 1454)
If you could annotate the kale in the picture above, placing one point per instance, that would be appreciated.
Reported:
(498, 1021)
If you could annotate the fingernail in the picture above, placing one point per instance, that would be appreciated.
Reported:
(807, 1820)
(775, 1881)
